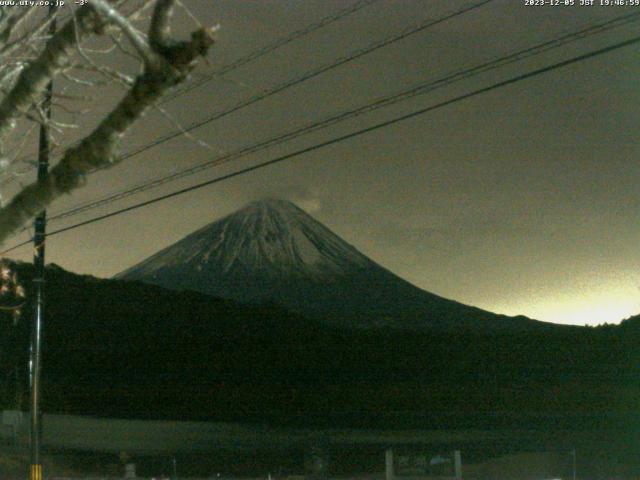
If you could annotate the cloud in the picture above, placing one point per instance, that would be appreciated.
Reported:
(307, 198)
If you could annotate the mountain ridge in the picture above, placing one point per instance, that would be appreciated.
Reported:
(264, 220)
(131, 350)
(271, 250)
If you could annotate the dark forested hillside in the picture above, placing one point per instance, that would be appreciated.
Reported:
(126, 349)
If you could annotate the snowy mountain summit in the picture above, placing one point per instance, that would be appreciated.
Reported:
(270, 237)
(277, 238)
(271, 250)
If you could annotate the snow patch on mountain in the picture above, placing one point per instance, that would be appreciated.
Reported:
(271, 236)
(271, 250)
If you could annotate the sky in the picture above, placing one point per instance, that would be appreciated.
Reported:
(521, 200)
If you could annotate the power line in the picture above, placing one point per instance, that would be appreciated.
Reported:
(252, 56)
(272, 46)
(308, 75)
(412, 30)
(348, 136)
(305, 77)
(419, 89)
(312, 74)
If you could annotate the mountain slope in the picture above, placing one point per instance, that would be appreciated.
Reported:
(128, 349)
(273, 251)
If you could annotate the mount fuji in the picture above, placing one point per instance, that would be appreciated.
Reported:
(272, 251)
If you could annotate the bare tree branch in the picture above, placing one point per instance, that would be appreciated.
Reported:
(160, 27)
(170, 65)
(34, 78)
(12, 22)
(111, 15)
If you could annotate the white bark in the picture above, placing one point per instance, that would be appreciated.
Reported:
(166, 64)
(35, 77)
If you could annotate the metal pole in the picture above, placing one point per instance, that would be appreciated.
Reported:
(457, 464)
(388, 460)
(35, 472)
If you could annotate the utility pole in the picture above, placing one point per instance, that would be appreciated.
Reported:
(35, 472)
